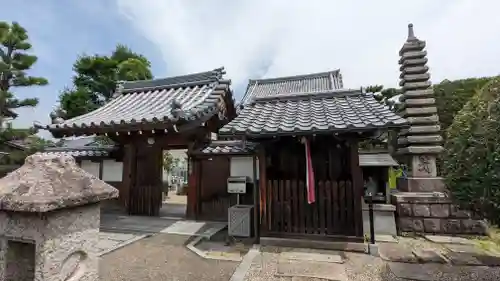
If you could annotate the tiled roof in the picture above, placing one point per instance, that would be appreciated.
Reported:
(156, 101)
(88, 151)
(228, 147)
(334, 111)
(376, 160)
(309, 83)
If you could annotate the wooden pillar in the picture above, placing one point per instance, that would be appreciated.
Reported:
(357, 184)
(146, 189)
(128, 175)
(256, 201)
(263, 190)
(194, 169)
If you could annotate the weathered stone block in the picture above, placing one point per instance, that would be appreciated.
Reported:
(455, 212)
(440, 210)
(406, 224)
(421, 210)
(474, 226)
(432, 225)
(451, 226)
(421, 185)
(418, 225)
(404, 210)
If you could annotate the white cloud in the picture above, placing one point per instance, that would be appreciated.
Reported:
(362, 38)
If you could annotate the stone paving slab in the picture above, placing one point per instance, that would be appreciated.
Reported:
(311, 269)
(194, 228)
(461, 248)
(428, 256)
(109, 241)
(313, 257)
(448, 240)
(457, 258)
(396, 253)
(438, 272)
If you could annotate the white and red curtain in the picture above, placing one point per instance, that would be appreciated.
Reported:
(311, 192)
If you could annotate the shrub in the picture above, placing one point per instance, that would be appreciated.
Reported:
(472, 153)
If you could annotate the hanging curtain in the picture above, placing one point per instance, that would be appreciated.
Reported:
(311, 194)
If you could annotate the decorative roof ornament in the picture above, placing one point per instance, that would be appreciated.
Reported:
(119, 89)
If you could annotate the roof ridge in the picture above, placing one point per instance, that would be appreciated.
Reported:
(191, 79)
(294, 77)
(339, 93)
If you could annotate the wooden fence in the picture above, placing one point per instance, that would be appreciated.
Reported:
(288, 212)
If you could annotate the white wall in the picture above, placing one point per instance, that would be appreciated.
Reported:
(112, 170)
(241, 167)
(91, 167)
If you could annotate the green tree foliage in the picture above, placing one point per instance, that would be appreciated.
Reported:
(96, 77)
(472, 153)
(169, 161)
(451, 96)
(15, 62)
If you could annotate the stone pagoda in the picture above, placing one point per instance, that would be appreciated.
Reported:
(421, 142)
(422, 206)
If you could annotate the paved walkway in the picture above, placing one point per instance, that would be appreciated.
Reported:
(162, 257)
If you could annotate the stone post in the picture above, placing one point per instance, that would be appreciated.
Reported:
(49, 221)
(421, 142)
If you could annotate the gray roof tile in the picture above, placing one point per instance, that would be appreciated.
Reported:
(171, 99)
(228, 147)
(334, 111)
(309, 83)
(85, 151)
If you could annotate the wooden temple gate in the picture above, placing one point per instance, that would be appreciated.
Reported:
(338, 189)
(146, 117)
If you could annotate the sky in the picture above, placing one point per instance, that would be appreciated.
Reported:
(257, 38)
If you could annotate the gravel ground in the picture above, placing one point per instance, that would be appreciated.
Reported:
(162, 257)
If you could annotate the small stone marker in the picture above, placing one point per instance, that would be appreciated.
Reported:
(49, 221)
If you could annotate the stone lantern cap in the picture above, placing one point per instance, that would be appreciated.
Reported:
(49, 182)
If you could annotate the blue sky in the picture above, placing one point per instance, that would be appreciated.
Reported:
(258, 38)
(62, 30)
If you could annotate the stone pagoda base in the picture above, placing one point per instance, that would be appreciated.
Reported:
(421, 185)
(433, 213)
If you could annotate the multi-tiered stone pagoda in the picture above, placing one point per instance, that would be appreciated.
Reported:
(421, 142)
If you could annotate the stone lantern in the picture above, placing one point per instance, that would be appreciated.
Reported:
(49, 221)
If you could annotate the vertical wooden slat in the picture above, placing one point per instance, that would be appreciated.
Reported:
(320, 199)
(288, 205)
(270, 204)
(342, 205)
(349, 227)
(329, 208)
(276, 205)
(357, 182)
(302, 210)
(337, 224)
(282, 209)
(295, 207)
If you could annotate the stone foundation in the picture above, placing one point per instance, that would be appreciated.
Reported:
(434, 212)
(421, 185)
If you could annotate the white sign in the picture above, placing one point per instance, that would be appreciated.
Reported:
(237, 185)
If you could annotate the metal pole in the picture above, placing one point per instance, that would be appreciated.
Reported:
(372, 222)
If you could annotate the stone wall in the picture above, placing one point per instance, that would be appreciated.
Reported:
(434, 213)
